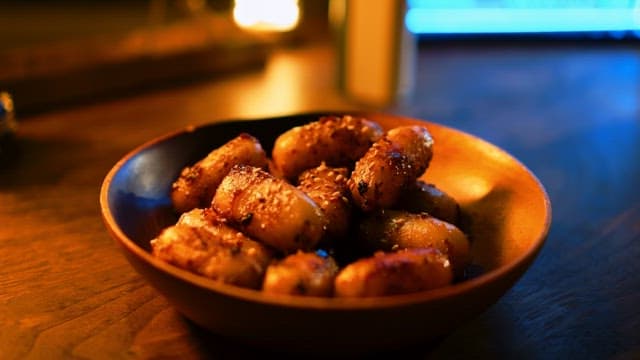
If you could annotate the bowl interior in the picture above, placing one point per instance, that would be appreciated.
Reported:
(506, 208)
(506, 215)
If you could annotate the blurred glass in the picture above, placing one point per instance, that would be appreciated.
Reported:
(376, 52)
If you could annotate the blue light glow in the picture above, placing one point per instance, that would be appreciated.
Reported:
(422, 19)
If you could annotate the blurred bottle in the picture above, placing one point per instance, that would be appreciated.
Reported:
(376, 52)
(8, 128)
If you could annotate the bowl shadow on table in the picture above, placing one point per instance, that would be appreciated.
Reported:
(222, 347)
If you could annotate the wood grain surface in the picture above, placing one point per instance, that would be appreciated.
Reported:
(567, 111)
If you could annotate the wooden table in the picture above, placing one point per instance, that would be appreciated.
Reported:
(570, 112)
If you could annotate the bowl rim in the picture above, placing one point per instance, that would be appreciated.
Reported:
(309, 302)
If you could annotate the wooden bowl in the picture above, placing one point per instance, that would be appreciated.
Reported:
(509, 216)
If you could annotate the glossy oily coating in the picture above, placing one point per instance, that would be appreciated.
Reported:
(269, 209)
(425, 197)
(327, 186)
(302, 273)
(401, 272)
(336, 140)
(391, 230)
(196, 184)
(203, 244)
(390, 166)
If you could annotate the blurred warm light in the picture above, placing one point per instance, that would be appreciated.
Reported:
(267, 15)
